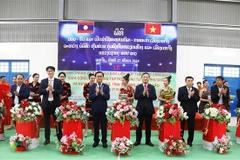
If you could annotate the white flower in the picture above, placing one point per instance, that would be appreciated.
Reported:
(228, 115)
(207, 111)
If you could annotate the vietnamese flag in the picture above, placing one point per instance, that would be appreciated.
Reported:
(85, 27)
(153, 28)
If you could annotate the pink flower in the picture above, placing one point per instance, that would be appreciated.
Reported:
(126, 108)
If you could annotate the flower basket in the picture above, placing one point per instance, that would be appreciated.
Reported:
(222, 145)
(70, 152)
(26, 111)
(20, 149)
(20, 142)
(121, 112)
(122, 146)
(175, 147)
(71, 111)
(170, 113)
(121, 154)
(71, 144)
(221, 152)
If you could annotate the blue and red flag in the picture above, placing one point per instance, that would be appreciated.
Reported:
(85, 27)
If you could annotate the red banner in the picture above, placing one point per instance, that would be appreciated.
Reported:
(212, 129)
(121, 130)
(72, 126)
(168, 129)
(30, 129)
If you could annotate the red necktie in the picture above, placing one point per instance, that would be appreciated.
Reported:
(145, 86)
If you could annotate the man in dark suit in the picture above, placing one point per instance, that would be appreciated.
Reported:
(220, 93)
(19, 91)
(238, 97)
(188, 96)
(51, 89)
(99, 94)
(145, 94)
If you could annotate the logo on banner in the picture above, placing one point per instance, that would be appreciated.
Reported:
(153, 28)
(85, 27)
(118, 32)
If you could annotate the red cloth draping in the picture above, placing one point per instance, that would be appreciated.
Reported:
(168, 129)
(30, 129)
(238, 130)
(4, 90)
(72, 126)
(213, 129)
(120, 130)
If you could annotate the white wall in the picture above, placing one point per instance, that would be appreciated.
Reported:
(40, 55)
(190, 59)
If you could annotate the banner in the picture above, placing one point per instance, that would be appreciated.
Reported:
(116, 48)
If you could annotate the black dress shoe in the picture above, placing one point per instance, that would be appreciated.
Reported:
(228, 130)
(136, 143)
(46, 142)
(150, 144)
(104, 145)
(95, 145)
(190, 144)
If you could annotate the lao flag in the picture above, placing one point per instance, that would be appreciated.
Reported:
(85, 27)
(153, 28)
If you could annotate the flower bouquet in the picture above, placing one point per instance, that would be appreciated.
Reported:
(170, 113)
(71, 144)
(175, 146)
(217, 112)
(2, 113)
(222, 145)
(237, 110)
(71, 111)
(2, 108)
(20, 142)
(122, 111)
(26, 111)
(122, 146)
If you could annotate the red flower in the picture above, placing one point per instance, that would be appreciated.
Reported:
(24, 103)
(169, 142)
(115, 106)
(215, 105)
(167, 106)
(71, 103)
(166, 115)
(222, 106)
(175, 106)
